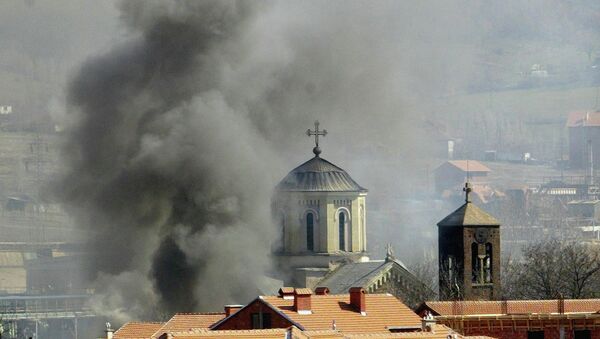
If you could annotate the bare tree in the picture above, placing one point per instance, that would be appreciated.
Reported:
(553, 268)
(424, 287)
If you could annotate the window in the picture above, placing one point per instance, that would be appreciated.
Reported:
(310, 231)
(282, 234)
(582, 334)
(342, 230)
(475, 262)
(535, 334)
(261, 320)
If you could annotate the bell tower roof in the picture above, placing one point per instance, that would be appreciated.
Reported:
(469, 214)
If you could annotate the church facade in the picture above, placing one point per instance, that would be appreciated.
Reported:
(321, 212)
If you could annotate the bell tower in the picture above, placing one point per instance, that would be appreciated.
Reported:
(469, 253)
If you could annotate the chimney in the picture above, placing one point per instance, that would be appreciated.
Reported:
(286, 292)
(561, 303)
(109, 331)
(322, 290)
(231, 309)
(427, 322)
(357, 299)
(302, 303)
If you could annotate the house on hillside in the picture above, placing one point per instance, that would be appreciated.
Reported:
(452, 174)
(584, 139)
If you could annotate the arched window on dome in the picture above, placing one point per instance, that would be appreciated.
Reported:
(310, 231)
(282, 233)
(342, 230)
(345, 242)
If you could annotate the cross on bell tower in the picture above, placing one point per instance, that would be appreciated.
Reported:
(467, 189)
(316, 133)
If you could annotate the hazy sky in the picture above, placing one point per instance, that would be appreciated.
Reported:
(182, 115)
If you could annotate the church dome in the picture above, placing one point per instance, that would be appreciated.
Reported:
(319, 175)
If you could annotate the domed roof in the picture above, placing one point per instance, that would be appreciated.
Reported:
(319, 175)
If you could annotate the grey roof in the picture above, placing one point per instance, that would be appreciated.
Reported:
(359, 274)
(319, 175)
(469, 215)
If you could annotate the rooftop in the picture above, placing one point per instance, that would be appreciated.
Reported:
(440, 332)
(254, 334)
(468, 165)
(137, 330)
(469, 215)
(382, 311)
(187, 321)
(319, 175)
(583, 119)
(512, 307)
(357, 274)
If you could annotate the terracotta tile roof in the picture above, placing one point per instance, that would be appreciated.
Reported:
(449, 308)
(286, 290)
(303, 291)
(322, 334)
(250, 334)
(137, 330)
(186, 321)
(583, 119)
(469, 165)
(382, 311)
(441, 332)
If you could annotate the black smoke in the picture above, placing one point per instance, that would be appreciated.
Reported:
(163, 173)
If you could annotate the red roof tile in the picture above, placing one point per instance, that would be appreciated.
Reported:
(137, 330)
(303, 291)
(186, 321)
(382, 311)
(244, 334)
(469, 165)
(583, 119)
(449, 308)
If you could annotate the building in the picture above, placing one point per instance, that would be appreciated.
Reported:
(379, 276)
(180, 322)
(469, 253)
(298, 313)
(519, 319)
(135, 329)
(322, 214)
(452, 174)
(584, 139)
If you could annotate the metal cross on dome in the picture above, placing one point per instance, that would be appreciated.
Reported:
(316, 133)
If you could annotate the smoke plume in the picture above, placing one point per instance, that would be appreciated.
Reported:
(177, 135)
(169, 178)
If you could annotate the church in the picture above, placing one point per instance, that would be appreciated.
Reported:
(321, 212)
